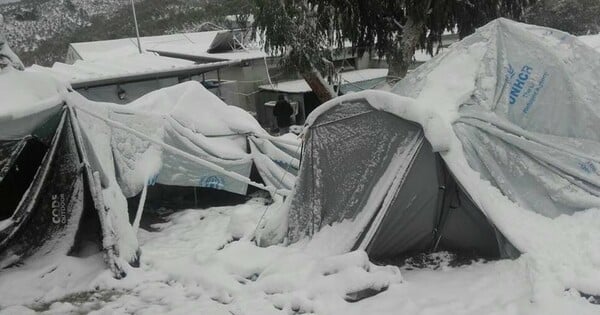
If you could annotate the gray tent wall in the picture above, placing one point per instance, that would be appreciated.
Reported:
(347, 153)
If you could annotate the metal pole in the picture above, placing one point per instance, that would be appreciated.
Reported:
(137, 30)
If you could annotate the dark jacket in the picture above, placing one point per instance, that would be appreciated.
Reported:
(283, 112)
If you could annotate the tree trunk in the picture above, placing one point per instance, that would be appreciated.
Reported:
(401, 55)
(318, 85)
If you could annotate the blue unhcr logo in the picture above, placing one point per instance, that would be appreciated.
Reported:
(215, 182)
(525, 86)
(588, 167)
(152, 180)
(519, 84)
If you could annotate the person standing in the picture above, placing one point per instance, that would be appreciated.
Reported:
(283, 113)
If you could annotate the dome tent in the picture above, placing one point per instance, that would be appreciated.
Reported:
(501, 124)
(398, 193)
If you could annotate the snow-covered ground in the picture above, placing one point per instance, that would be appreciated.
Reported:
(203, 262)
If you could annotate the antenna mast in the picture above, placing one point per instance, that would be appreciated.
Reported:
(137, 30)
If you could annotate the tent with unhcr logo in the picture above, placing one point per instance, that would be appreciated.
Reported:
(491, 148)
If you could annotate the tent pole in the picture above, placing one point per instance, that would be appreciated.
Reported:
(95, 183)
(140, 210)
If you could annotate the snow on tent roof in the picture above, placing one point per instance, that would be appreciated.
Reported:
(300, 86)
(18, 97)
(22, 107)
(186, 118)
(83, 71)
(197, 109)
(512, 111)
(591, 40)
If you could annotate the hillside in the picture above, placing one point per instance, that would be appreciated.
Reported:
(27, 24)
(40, 31)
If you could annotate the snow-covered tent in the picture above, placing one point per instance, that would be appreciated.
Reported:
(68, 165)
(379, 172)
(186, 136)
(489, 147)
(51, 202)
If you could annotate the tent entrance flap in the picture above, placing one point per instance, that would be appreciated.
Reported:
(431, 212)
(350, 144)
(24, 159)
(409, 223)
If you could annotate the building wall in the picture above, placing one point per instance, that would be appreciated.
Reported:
(249, 76)
(132, 91)
(241, 86)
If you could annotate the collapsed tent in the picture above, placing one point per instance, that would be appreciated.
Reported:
(511, 106)
(186, 136)
(51, 203)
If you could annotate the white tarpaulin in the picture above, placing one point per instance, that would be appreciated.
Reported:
(188, 119)
(531, 125)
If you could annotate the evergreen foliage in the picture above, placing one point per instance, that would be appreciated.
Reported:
(392, 29)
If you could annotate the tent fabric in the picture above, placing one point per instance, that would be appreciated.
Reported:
(51, 197)
(332, 183)
(193, 120)
(378, 171)
(530, 125)
(276, 166)
(410, 223)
